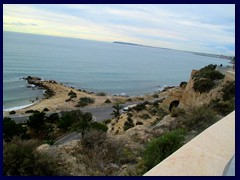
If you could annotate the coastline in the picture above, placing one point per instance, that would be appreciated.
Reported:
(56, 96)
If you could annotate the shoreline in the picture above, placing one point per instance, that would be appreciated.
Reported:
(56, 97)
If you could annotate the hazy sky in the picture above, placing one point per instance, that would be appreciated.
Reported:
(204, 28)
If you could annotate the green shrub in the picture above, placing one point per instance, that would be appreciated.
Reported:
(139, 107)
(84, 101)
(107, 101)
(21, 159)
(160, 148)
(10, 129)
(128, 124)
(12, 112)
(53, 118)
(145, 116)
(129, 99)
(154, 111)
(107, 121)
(36, 121)
(161, 113)
(228, 90)
(223, 107)
(32, 111)
(175, 112)
(183, 84)
(198, 118)
(203, 85)
(155, 95)
(45, 109)
(66, 121)
(209, 73)
(99, 126)
(101, 94)
(72, 94)
(129, 115)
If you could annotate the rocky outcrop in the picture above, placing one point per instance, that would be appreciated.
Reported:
(39, 83)
(33, 80)
(191, 98)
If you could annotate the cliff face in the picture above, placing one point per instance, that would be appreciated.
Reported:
(191, 98)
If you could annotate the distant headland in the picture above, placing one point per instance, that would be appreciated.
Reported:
(197, 53)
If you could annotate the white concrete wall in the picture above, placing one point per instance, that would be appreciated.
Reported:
(205, 155)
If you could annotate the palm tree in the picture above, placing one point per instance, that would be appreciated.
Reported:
(116, 112)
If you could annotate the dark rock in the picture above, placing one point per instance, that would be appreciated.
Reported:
(33, 80)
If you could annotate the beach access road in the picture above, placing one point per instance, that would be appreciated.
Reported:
(99, 113)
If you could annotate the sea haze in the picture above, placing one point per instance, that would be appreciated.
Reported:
(92, 65)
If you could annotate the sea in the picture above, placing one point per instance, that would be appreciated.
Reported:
(113, 68)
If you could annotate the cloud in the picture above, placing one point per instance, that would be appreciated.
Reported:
(186, 27)
(20, 24)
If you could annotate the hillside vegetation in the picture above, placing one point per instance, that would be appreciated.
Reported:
(130, 143)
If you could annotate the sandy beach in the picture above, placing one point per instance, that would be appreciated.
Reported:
(57, 102)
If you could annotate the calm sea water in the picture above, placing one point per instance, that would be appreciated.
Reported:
(91, 65)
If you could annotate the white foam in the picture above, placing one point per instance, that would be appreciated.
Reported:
(17, 107)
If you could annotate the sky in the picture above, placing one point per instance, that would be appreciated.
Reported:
(208, 28)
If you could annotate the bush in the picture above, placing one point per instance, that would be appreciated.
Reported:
(129, 100)
(99, 126)
(223, 107)
(45, 109)
(103, 156)
(107, 121)
(21, 159)
(175, 112)
(139, 107)
(128, 124)
(153, 111)
(203, 85)
(161, 113)
(155, 95)
(160, 148)
(101, 94)
(32, 111)
(10, 129)
(72, 94)
(145, 116)
(209, 73)
(198, 118)
(107, 101)
(53, 118)
(36, 121)
(66, 121)
(139, 123)
(12, 112)
(129, 115)
(84, 101)
(228, 90)
(183, 84)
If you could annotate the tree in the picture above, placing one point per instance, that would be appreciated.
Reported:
(36, 121)
(84, 124)
(10, 129)
(116, 112)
